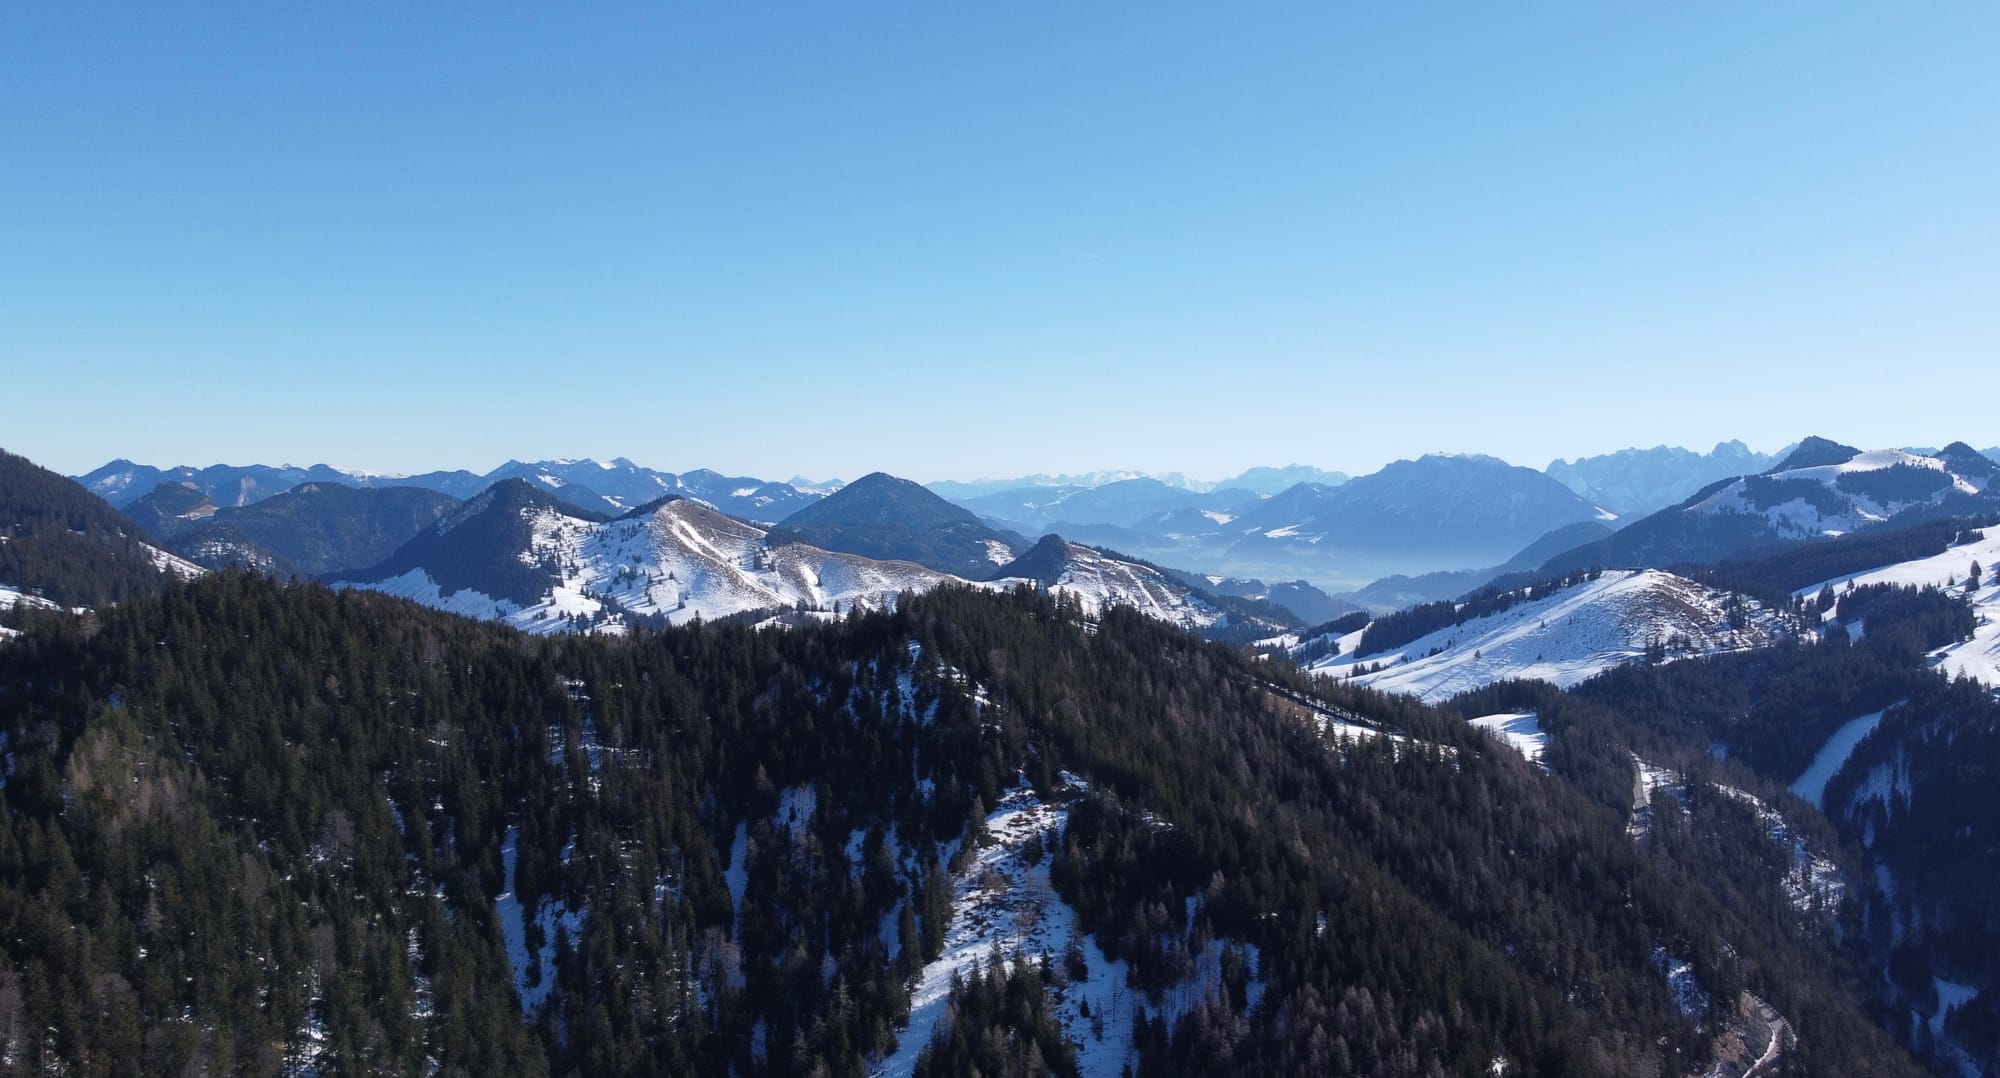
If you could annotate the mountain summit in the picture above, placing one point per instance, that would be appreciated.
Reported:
(889, 519)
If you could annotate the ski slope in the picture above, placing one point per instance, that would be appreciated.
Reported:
(1565, 637)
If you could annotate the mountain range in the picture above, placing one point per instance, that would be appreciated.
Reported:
(1640, 481)
(1822, 488)
(517, 555)
(1437, 512)
(1706, 791)
(612, 487)
(311, 529)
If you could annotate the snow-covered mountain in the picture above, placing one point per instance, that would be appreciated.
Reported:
(1821, 489)
(1564, 636)
(515, 555)
(622, 485)
(1837, 492)
(1098, 579)
(614, 487)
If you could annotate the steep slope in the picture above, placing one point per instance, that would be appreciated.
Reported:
(1640, 481)
(64, 544)
(889, 519)
(522, 558)
(313, 528)
(1821, 489)
(485, 550)
(1563, 635)
(1099, 580)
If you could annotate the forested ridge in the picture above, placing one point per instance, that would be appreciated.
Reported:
(252, 826)
(64, 544)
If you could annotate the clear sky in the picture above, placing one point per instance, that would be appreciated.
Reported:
(953, 240)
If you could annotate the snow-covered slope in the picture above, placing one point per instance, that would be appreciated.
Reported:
(1979, 656)
(680, 560)
(1822, 489)
(13, 597)
(1004, 903)
(172, 564)
(518, 557)
(1098, 581)
(1832, 499)
(1564, 637)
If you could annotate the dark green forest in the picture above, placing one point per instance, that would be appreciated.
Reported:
(63, 543)
(251, 825)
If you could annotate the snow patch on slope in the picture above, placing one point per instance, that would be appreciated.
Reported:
(173, 565)
(1521, 730)
(1832, 756)
(1003, 904)
(534, 968)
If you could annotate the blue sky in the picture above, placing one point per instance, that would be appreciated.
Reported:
(960, 240)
